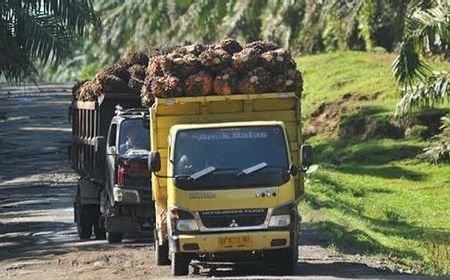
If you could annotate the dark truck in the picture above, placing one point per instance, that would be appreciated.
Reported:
(110, 143)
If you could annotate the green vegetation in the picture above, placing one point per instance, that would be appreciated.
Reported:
(89, 71)
(39, 32)
(370, 194)
(303, 26)
(426, 35)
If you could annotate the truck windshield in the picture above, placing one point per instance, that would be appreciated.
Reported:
(133, 136)
(233, 157)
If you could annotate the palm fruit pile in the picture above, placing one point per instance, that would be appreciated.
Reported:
(223, 68)
(125, 76)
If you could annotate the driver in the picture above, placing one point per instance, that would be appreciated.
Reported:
(131, 141)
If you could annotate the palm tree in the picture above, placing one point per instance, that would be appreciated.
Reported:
(427, 34)
(40, 31)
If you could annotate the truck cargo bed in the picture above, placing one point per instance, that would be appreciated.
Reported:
(90, 120)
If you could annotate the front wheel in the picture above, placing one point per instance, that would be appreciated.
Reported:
(99, 228)
(161, 252)
(179, 265)
(287, 261)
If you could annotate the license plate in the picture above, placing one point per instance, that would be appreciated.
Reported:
(235, 242)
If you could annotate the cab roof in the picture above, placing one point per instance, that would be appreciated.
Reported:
(133, 113)
(178, 127)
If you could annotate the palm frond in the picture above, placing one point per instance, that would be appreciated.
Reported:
(435, 89)
(40, 31)
(409, 67)
(427, 33)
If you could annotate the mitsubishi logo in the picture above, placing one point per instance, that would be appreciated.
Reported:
(233, 223)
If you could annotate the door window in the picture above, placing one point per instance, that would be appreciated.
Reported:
(112, 135)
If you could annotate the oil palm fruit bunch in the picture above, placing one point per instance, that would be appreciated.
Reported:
(256, 80)
(278, 61)
(84, 91)
(225, 82)
(137, 71)
(215, 60)
(135, 57)
(137, 76)
(231, 46)
(195, 49)
(290, 80)
(110, 83)
(169, 48)
(147, 98)
(246, 60)
(135, 85)
(199, 84)
(165, 86)
(117, 70)
(155, 66)
(76, 89)
(183, 66)
(262, 46)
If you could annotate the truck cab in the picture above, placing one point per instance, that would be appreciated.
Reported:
(110, 150)
(228, 180)
(126, 204)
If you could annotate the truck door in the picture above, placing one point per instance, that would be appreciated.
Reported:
(111, 158)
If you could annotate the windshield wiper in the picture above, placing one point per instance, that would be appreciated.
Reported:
(202, 173)
(252, 169)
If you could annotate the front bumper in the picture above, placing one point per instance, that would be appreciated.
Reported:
(214, 243)
(131, 196)
(127, 225)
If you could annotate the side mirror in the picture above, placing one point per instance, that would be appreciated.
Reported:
(146, 121)
(293, 170)
(100, 143)
(112, 151)
(154, 161)
(306, 156)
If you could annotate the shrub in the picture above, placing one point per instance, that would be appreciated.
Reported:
(417, 132)
(440, 148)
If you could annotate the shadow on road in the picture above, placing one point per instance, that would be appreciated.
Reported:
(38, 220)
(349, 270)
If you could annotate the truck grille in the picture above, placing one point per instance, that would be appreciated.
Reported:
(233, 218)
(135, 180)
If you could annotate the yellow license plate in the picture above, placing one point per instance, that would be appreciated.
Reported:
(235, 242)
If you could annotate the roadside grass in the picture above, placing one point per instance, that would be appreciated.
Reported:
(373, 196)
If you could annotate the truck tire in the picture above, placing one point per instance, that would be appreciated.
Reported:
(287, 259)
(179, 265)
(114, 237)
(287, 262)
(82, 218)
(99, 227)
(161, 252)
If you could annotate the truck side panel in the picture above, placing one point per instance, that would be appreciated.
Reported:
(91, 119)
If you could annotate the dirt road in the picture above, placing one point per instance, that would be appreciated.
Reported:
(37, 233)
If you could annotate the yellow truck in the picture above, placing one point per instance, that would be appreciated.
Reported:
(227, 174)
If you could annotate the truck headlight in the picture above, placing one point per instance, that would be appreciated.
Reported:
(280, 221)
(186, 225)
